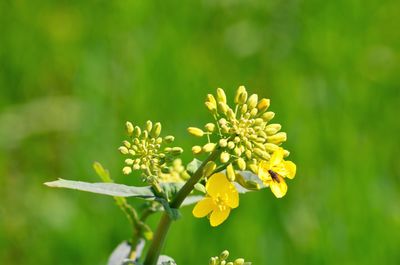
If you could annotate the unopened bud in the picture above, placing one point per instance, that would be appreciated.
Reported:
(271, 147)
(221, 95)
(277, 138)
(224, 255)
(241, 90)
(252, 101)
(230, 172)
(169, 138)
(137, 131)
(129, 127)
(253, 112)
(176, 150)
(222, 107)
(210, 127)
(286, 153)
(272, 128)
(267, 116)
(241, 163)
(223, 142)
(244, 109)
(224, 157)
(156, 130)
(149, 126)
(127, 144)
(209, 147)
(263, 105)
(200, 187)
(127, 170)
(231, 145)
(123, 150)
(211, 107)
(196, 149)
(195, 131)
(238, 262)
(129, 161)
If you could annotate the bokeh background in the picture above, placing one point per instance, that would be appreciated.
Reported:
(72, 72)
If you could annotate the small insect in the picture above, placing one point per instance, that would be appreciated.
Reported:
(274, 175)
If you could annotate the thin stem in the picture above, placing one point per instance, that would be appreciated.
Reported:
(165, 222)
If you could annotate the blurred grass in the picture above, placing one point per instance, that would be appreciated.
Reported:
(330, 68)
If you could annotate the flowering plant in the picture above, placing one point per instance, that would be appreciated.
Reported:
(242, 152)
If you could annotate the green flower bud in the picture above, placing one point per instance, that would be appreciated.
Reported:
(230, 172)
(222, 107)
(127, 170)
(229, 263)
(267, 116)
(231, 145)
(137, 131)
(244, 109)
(176, 150)
(224, 255)
(277, 138)
(224, 157)
(123, 150)
(210, 127)
(223, 142)
(241, 163)
(272, 129)
(149, 126)
(271, 147)
(211, 107)
(129, 128)
(238, 262)
(155, 132)
(209, 147)
(210, 98)
(252, 101)
(195, 131)
(239, 91)
(263, 105)
(253, 112)
(221, 95)
(169, 138)
(196, 149)
(200, 187)
(129, 161)
(127, 144)
(286, 153)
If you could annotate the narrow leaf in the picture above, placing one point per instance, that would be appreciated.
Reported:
(110, 189)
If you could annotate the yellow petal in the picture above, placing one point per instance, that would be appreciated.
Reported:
(203, 207)
(290, 169)
(218, 217)
(277, 157)
(263, 170)
(279, 189)
(217, 184)
(232, 196)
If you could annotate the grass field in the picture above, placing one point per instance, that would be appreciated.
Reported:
(72, 73)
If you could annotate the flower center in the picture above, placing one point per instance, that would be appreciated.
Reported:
(221, 201)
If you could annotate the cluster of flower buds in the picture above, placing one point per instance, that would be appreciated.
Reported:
(147, 153)
(222, 260)
(243, 132)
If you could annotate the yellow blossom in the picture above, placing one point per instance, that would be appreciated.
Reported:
(221, 197)
(273, 172)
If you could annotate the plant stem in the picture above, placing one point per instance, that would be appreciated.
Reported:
(165, 222)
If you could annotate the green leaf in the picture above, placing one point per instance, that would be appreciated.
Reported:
(110, 189)
(193, 166)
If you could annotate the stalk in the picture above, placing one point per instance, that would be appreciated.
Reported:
(165, 221)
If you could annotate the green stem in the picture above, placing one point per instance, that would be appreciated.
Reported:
(165, 222)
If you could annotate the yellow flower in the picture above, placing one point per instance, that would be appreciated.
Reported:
(273, 172)
(221, 197)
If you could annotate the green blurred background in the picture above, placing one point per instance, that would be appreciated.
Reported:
(72, 72)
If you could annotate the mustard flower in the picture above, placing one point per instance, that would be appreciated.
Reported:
(273, 172)
(221, 197)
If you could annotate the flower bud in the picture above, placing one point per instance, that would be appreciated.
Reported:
(271, 147)
(244, 109)
(252, 101)
(129, 127)
(230, 172)
(221, 97)
(137, 131)
(224, 157)
(176, 150)
(277, 138)
(224, 255)
(238, 262)
(127, 144)
(200, 187)
(123, 150)
(196, 149)
(241, 163)
(272, 129)
(253, 112)
(240, 93)
(149, 126)
(222, 107)
(209, 147)
(129, 161)
(169, 138)
(211, 107)
(156, 130)
(223, 142)
(195, 131)
(231, 145)
(127, 170)
(210, 98)
(263, 105)
(267, 116)
(286, 153)
(210, 127)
